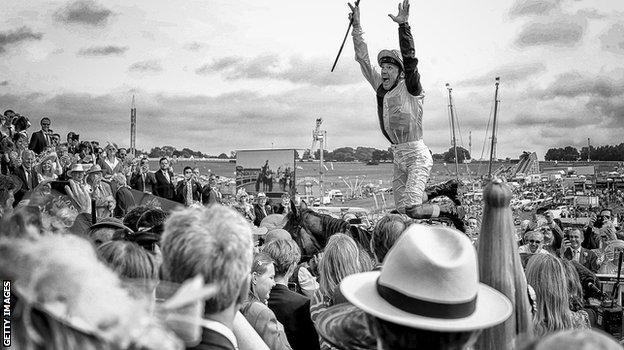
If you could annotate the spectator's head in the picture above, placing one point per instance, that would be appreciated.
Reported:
(144, 163)
(122, 153)
(545, 273)
(20, 139)
(341, 258)
(188, 172)
(55, 140)
(84, 148)
(575, 339)
(386, 232)
(534, 240)
(262, 276)
(94, 175)
(472, 223)
(276, 234)
(45, 167)
(285, 254)
(164, 163)
(128, 260)
(8, 115)
(613, 250)
(132, 217)
(76, 172)
(45, 124)
(261, 198)
(576, 237)
(111, 150)
(119, 180)
(427, 294)
(214, 242)
(73, 138)
(196, 172)
(28, 158)
(21, 123)
(104, 230)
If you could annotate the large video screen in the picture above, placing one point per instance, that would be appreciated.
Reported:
(271, 170)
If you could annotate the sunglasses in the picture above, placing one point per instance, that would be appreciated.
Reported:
(534, 241)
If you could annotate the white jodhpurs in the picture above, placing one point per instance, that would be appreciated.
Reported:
(412, 165)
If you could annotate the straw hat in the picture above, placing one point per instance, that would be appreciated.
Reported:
(76, 167)
(430, 281)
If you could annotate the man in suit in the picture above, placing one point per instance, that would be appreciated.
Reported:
(291, 309)
(192, 244)
(210, 192)
(188, 190)
(164, 180)
(572, 250)
(42, 138)
(26, 174)
(261, 209)
(142, 179)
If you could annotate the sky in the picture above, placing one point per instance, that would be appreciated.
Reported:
(220, 75)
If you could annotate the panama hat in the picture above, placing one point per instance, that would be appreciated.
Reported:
(390, 56)
(429, 281)
(76, 167)
(344, 326)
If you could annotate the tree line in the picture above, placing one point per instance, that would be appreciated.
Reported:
(570, 153)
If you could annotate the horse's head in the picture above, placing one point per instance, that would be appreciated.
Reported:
(302, 227)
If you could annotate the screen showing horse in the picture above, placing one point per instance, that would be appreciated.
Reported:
(270, 170)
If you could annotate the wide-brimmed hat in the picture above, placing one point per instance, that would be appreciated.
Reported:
(261, 195)
(430, 281)
(94, 169)
(76, 167)
(391, 56)
(345, 327)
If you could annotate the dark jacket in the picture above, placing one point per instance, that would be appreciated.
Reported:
(260, 214)
(164, 188)
(293, 311)
(212, 340)
(210, 196)
(587, 258)
(137, 183)
(37, 142)
(181, 191)
(27, 186)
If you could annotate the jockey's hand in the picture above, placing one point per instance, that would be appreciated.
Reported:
(403, 14)
(354, 15)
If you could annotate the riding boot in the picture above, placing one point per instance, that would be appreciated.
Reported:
(448, 189)
(455, 214)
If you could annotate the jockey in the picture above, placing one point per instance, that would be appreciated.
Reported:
(399, 108)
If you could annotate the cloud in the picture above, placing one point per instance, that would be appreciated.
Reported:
(146, 66)
(195, 46)
(592, 14)
(509, 74)
(4, 83)
(295, 69)
(103, 50)
(16, 36)
(84, 12)
(533, 7)
(559, 31)
(613, 39)
(574, 84)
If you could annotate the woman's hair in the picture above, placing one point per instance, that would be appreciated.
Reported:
(341, 258)
(545, 274)
(386, 232)
(284, 252)
(260, 264)
(129, 260)
(575, 290)
(187, 168)
(530, 234)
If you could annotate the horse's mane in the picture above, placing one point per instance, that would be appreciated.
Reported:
(330, 224)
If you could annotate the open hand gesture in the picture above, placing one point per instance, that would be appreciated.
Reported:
(354, 16)
(403, 14)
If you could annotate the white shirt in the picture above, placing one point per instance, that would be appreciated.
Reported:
(576, 254)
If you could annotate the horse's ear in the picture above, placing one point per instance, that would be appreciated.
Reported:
(293, 208)
(303, 205)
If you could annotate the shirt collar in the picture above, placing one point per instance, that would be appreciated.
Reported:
(221, 329)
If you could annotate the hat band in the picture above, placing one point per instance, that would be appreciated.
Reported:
(426, 308)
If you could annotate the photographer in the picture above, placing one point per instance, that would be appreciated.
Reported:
(142, 179)
(598, 225)
(188, 190)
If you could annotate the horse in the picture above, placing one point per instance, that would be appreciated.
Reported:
(311, 230)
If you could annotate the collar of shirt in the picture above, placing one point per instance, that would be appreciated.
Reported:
(221, 329)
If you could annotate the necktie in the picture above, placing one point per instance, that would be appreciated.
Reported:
(577, 256)
(28, 183)
(189, 193)
(47, 139)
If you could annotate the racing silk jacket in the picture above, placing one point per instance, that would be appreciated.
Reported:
(399, 109)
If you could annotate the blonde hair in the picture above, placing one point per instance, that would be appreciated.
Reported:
(340, 259)
(547, 276)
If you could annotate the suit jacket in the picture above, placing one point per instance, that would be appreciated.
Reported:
(27, 186)
(212, 340)
(587, 258)
(137, 183)
(293, 311)
(37, 142)
(181, 191)
(260, 214)
(124, 202)
(164, 188)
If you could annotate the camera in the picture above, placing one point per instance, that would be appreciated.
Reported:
(599, 221)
